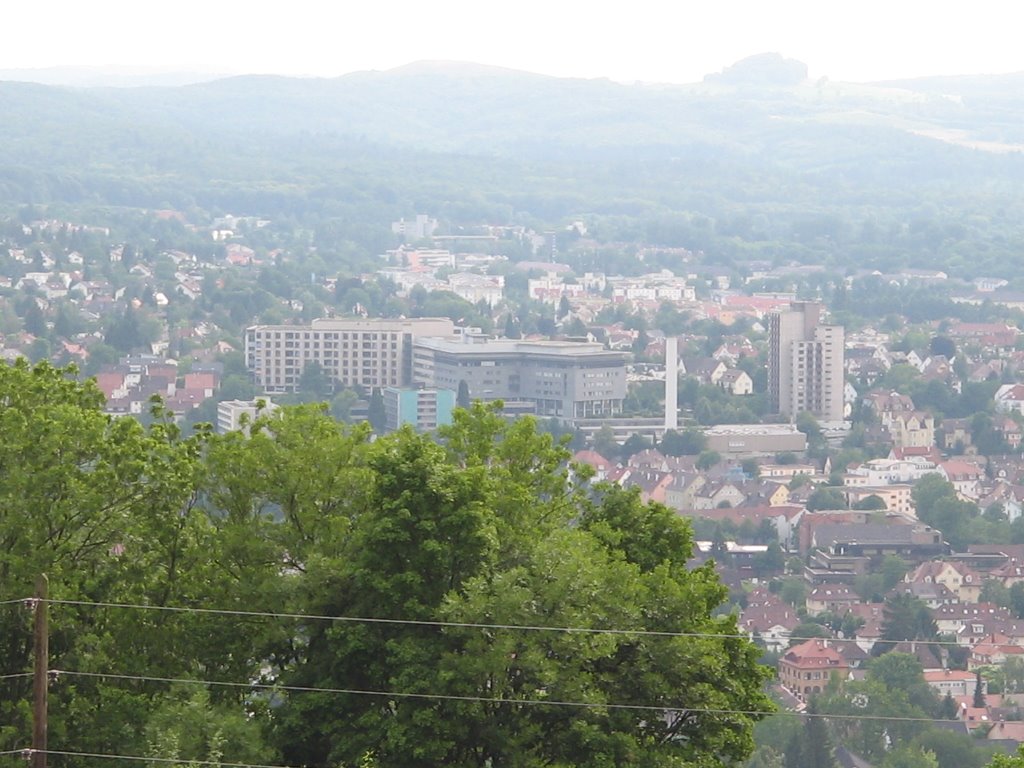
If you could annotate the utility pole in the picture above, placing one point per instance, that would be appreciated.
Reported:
(40, 675)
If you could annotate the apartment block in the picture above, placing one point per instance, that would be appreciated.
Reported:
(368, 353)
(805, 363)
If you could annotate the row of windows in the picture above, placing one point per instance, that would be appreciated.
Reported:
(334, 336)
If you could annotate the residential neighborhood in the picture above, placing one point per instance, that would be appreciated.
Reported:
(823, 494)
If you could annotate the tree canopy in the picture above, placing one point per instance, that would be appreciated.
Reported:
(442, 561)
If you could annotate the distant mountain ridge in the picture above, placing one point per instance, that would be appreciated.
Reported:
(106, 77)
(452, 106)
(760, 119)
(757, 162)
(455, 106)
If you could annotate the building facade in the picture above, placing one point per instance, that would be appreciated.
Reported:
(233, 415)
(423, 409)
(562, 379)
(805, 363)
(744, 440)
(807, 668)
(353, 352)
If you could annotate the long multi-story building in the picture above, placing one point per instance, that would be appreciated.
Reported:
(368, 353)
(805, 363)
(562, 379)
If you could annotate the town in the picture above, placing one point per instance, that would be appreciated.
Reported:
(844, 467)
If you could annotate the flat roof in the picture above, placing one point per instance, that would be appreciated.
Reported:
(330, 323)
(517, 347)
(752, 430)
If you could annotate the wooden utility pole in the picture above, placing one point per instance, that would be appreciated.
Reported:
(40, 675)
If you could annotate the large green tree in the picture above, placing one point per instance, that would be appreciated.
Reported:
(903, 672)
(211, 557)
(108, 510)
(812, 746)
(488, 529)
(904, 617)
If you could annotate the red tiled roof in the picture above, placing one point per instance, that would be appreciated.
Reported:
(814, 653)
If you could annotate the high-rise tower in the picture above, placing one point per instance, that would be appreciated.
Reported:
(805, 363)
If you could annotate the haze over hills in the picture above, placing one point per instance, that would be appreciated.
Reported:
(757, 142)
(449, 106)
(106, 77)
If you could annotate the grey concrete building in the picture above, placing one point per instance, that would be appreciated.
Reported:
(739, 440)
(562, 379)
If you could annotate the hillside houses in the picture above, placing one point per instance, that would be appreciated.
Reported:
(130, 385)
(988, 336)
(964, 583)
(967, 477)
(768, 619)
(889, 471)
(913, 429)
(1009, 398)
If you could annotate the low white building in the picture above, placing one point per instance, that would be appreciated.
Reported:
(476, 288)
(890, 471)
(955, 682)
(1009, 398)
(233, 415)
(420, 228)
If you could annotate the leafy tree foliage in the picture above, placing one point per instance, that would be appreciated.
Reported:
(873, 715)
(306, 517)
(605, 444)
(903, 671)
(108, 511)
(462, 398)
(954, 750)
(938, 505)
(905, 617)
(910, 757)
(869, 503)
(315, 382)
(708, 459)
(1008, 761)
(376, 415)
(826, 498)
(689, 442)
(812, 747)
(942, 345)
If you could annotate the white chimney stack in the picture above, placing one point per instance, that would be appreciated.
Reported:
(671, 382)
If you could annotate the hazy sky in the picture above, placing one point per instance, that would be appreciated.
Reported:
(663, 41)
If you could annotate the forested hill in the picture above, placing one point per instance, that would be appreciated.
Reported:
(471, 108)
(746, 164)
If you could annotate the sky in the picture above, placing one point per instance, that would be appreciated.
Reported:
(634, 40)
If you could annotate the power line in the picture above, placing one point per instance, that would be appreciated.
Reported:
(15, 675)
(12, 602)
(23, 752)
(392, 694)
(409, 622)
(175, 760)
(496, 700)
(463, 625)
